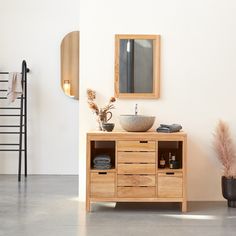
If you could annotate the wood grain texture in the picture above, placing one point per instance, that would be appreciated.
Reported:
(136, 192)
(139, 145)
(136, 199)
(136, 168)
(102, 185)
(136, 157)
(88, 181)
(138, 136)
(170, 174)
(169, 170)
(169, 186)
(136, 180)
(100, 171)
(184, 203)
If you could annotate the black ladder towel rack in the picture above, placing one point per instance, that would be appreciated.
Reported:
(21, 125)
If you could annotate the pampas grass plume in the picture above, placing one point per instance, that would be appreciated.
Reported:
(225, 149)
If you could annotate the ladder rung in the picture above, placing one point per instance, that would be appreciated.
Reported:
(11, 132)
(9, 144)
(10, 108)
(7, 73)
(10, 115)
(6, 98)
(9, 126)
(8, 150)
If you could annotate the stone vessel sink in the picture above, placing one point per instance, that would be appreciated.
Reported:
(136, 123)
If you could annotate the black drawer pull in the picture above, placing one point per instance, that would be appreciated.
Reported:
(102, 173)
(170, 173)
(143, 141)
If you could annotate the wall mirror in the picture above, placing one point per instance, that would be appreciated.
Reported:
(137, 66)
(70, 64)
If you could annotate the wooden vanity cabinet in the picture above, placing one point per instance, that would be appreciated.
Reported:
(135, 174)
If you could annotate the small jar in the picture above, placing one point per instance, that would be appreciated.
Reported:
(162, 162)
(174, 163)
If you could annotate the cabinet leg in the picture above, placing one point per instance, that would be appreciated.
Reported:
(184, 206)
(88, 205)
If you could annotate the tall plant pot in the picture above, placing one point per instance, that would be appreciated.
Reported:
(229, 190)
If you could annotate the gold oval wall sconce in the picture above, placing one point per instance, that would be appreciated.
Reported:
(70, 64)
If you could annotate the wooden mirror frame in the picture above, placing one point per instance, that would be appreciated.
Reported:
(156, 66)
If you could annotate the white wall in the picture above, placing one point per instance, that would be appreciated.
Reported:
(198, 72)
(33, 30)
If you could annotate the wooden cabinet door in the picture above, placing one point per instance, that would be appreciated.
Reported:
(102, 185)
(170, 186)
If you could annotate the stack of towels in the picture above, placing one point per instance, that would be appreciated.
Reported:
(169, 128)
(102, 162)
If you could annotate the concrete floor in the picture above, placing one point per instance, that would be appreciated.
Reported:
(48, 206)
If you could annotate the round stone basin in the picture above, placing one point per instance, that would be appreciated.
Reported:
(136, 123)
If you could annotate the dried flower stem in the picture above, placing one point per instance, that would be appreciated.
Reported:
(91, 95)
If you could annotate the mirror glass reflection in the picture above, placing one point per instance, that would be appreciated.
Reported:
(136, 66)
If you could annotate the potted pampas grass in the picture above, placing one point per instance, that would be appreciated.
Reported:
(225, 151)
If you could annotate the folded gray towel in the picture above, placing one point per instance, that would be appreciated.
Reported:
(103, 159)
(97, 162)
(169, 128)
(102, 167)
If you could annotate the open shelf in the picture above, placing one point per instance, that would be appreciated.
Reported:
(173, 147)
(103, 148)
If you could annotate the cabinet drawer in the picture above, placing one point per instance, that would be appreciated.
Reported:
(170, 185)
(149, 146)
(136, 192)
(136, 157)
(102, 184)
(136, 168)
(136, 180)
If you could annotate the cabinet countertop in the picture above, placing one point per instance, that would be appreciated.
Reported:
(148, 134)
